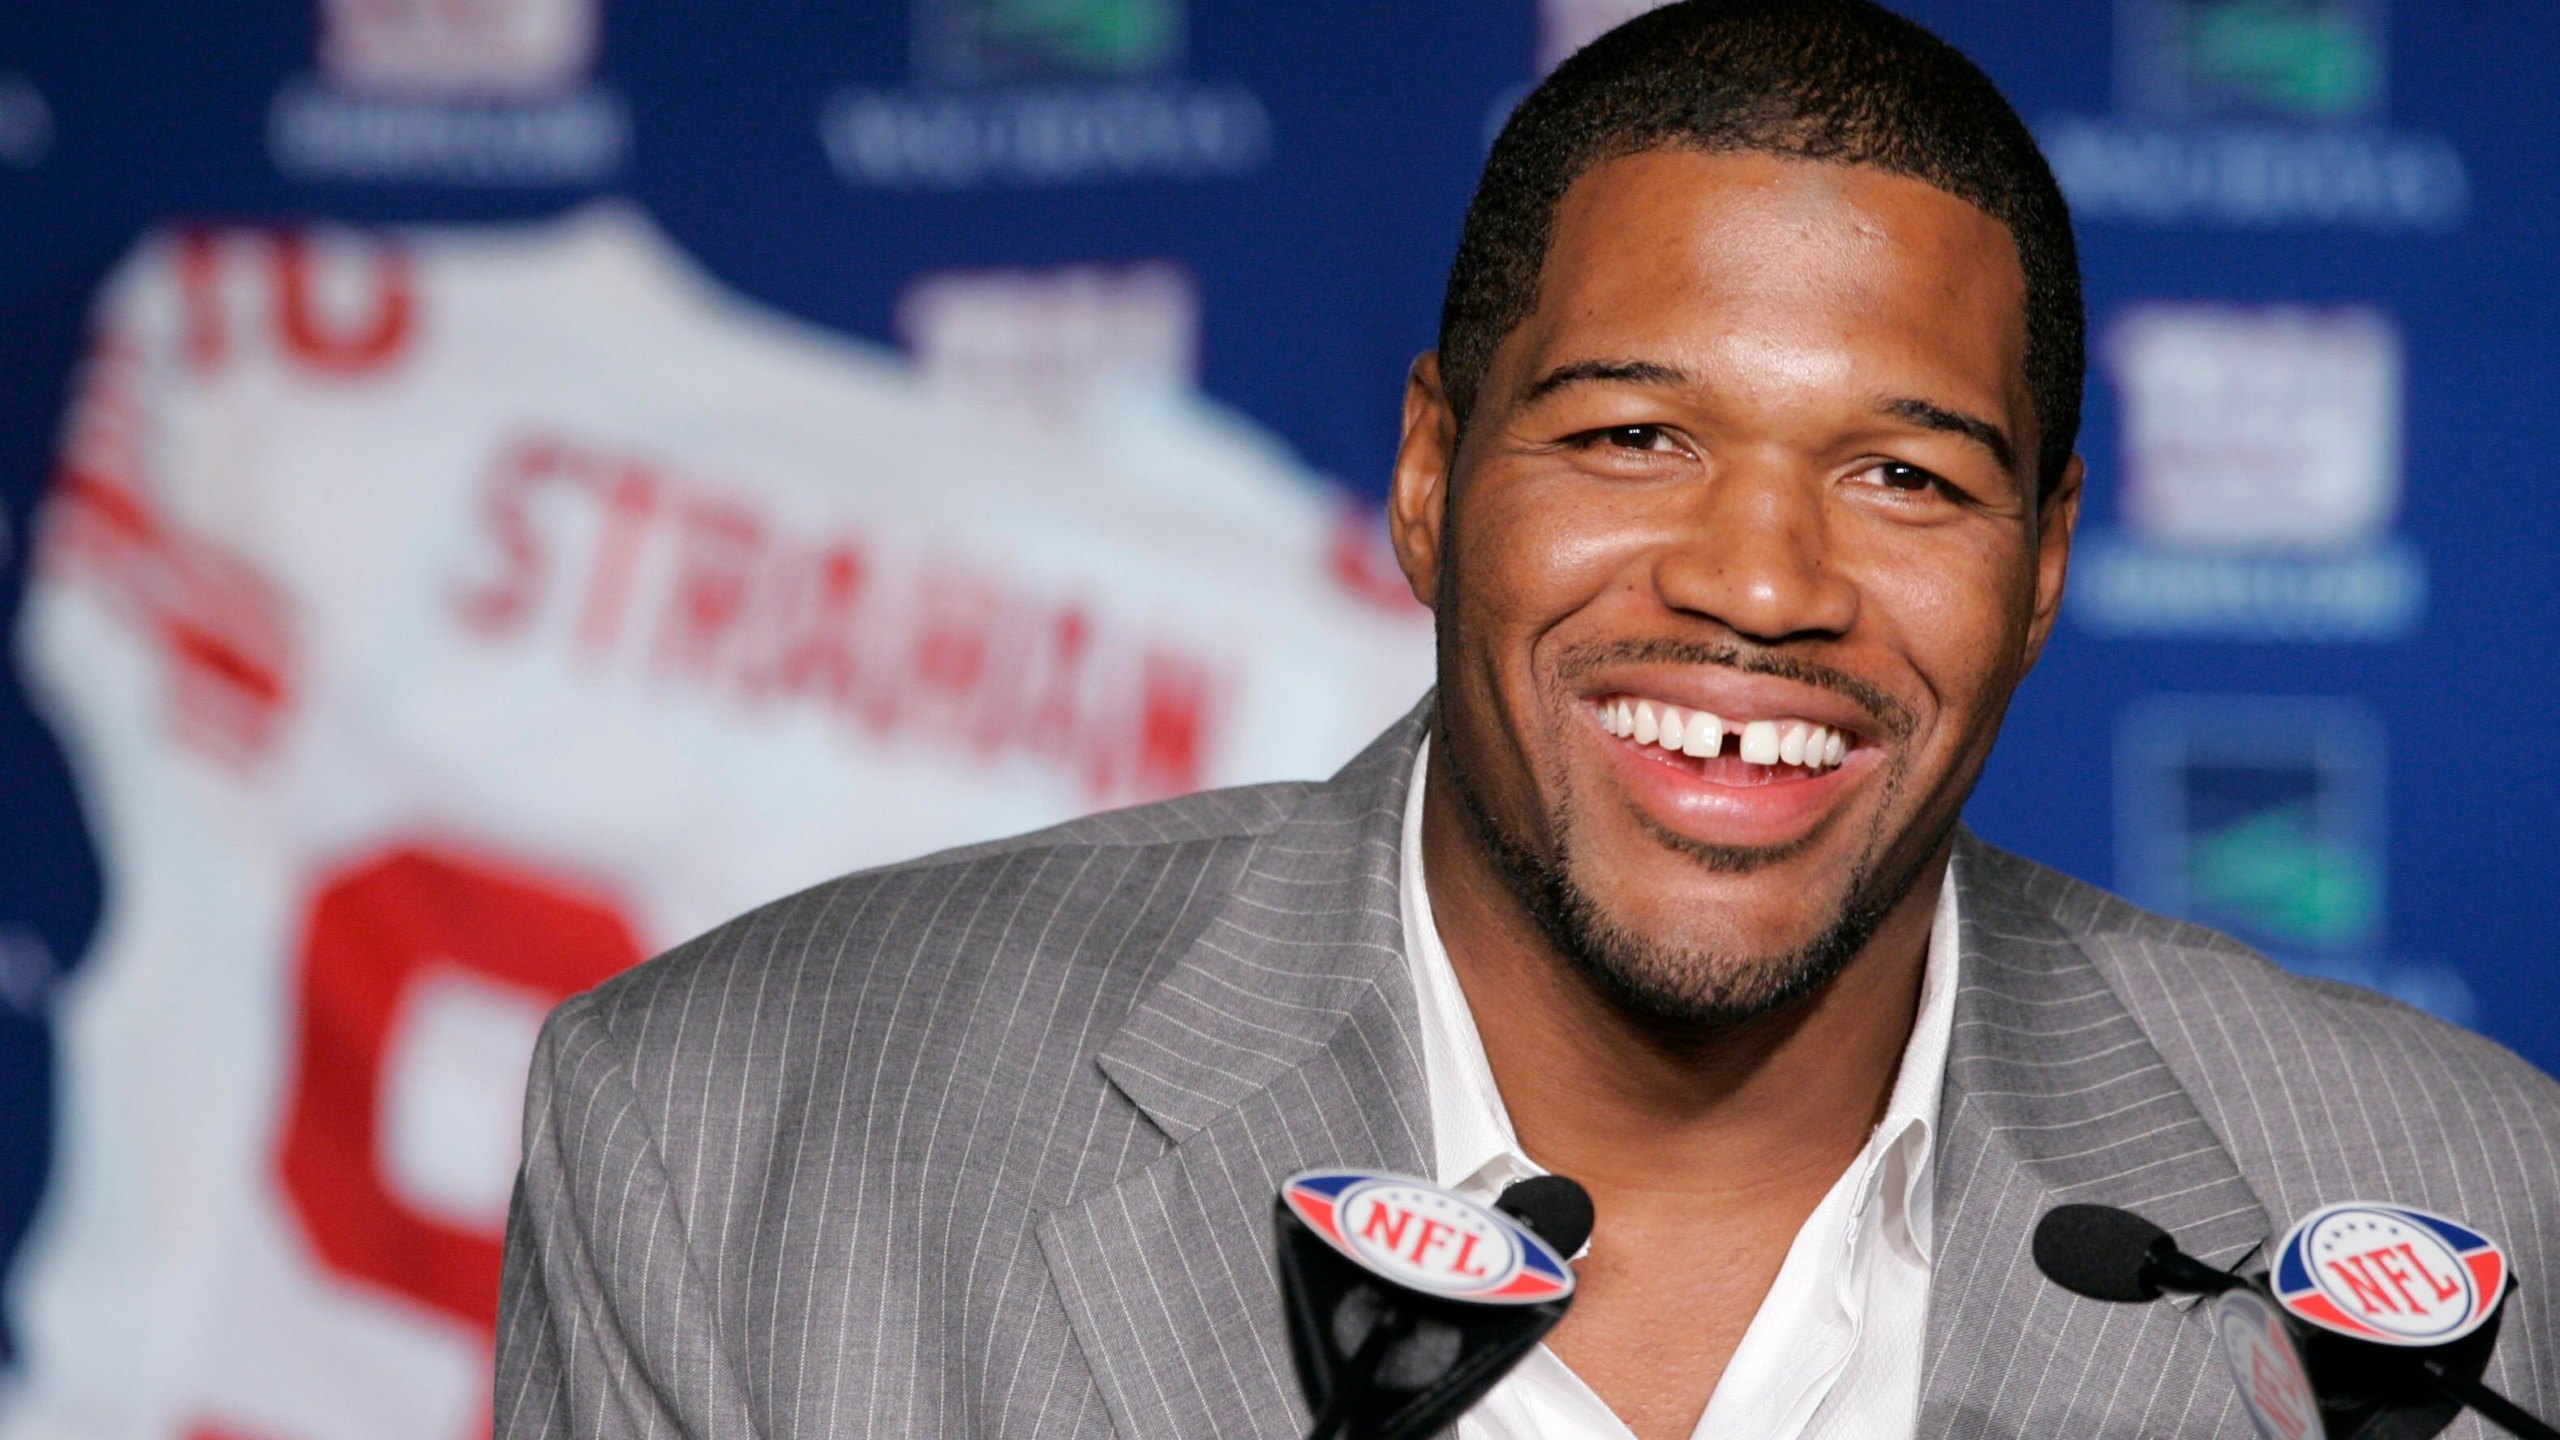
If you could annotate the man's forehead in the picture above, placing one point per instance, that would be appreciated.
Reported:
(1670, 248)
(1742, 220)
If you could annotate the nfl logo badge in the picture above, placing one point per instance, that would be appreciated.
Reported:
(1424, 1238)
(2266, 1367)
(2389, 1274)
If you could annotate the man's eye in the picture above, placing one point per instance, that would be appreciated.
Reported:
(1894, 475)
(1630, 437)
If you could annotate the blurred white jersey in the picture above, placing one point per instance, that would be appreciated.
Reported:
(440, 622)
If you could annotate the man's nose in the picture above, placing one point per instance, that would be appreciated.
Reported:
(1752, 551)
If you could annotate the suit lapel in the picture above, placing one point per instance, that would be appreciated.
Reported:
(1282, 1038)
(2054, 1094)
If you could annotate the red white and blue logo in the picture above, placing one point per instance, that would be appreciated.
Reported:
(2266, 1367)
(1419, 1236)
(2389, 1274)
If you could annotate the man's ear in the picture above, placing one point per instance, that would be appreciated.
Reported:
(1418, 502)
(2058, 515)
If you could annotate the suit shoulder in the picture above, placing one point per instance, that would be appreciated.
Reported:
(885, 950)
(1241, 810)
(936, 1021)
(2228, 1010)
(913, 1015)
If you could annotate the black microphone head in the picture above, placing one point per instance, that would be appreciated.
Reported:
(1555, 1206)
(2098, 1251)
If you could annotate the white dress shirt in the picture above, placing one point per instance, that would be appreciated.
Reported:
(1834, 1350)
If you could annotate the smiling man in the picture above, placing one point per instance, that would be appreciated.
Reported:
(1742, 487)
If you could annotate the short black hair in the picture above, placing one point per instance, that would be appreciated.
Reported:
(1844, 81)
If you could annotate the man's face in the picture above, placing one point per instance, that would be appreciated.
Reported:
(1763, 452)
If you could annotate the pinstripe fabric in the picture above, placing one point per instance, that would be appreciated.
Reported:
(2107, 1054)
(984, 1144)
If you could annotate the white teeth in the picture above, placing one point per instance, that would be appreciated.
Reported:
(1701, 735)
(1760, 742)
(1704, 733)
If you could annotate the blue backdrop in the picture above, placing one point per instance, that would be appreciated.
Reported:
(2302, 682)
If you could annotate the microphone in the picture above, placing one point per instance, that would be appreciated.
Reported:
(1406, 1302)
(2376, 1323)
(1555, 1206)
(2109, 1254)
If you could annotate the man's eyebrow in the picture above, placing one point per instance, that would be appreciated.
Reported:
(1586, 372)
(1929, 415)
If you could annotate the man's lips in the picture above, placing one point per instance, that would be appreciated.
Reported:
(1745, 779)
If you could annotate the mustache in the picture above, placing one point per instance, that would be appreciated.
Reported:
(1892, 718)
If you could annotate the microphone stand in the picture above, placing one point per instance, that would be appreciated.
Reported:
(2497, 1408)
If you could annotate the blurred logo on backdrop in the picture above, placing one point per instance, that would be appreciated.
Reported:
(465, 92)
(1054, 345)
(1045, 92)
(2255, 113)
(2253, 59)
(2260, 453)
(982, 41)
(2264, 818)
(26, 123)
(1112, 353)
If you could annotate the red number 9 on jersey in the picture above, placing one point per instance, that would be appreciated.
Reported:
(420, 942)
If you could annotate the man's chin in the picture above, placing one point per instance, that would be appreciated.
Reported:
(1691, 981)
(1723, 939)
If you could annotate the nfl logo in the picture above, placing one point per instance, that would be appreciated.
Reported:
(1425, 1238)
(458, 48)
(2265, 1367)
(2389, 1274)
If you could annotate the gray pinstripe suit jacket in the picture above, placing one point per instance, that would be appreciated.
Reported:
(985, 1144)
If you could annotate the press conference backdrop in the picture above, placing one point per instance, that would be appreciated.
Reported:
(1111, 299)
